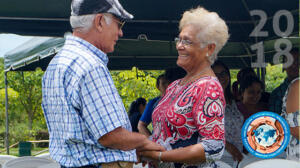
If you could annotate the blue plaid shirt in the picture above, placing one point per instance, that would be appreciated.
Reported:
(81, 104)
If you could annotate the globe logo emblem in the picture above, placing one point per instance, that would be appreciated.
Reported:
(265, 134)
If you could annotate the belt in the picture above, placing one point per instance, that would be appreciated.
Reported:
(87, 166)
(118, 164)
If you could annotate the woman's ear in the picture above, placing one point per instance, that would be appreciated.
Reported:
(211, 48)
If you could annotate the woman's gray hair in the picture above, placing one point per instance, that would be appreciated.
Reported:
(211, 28)
(84, 23)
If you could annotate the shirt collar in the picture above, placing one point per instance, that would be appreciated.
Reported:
(73, 40)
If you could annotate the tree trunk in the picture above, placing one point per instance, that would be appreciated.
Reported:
(30, 120)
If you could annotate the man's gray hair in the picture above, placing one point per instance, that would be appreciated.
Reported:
(84, 23)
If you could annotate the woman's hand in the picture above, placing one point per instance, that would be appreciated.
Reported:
(153, 155)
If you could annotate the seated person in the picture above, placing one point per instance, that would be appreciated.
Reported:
(135, 112)
(250, 88)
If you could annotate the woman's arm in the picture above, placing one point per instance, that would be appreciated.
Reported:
(292, 106)
(142, 127)
(193, 154)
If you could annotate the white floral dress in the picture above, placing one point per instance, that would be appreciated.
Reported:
(293, 119)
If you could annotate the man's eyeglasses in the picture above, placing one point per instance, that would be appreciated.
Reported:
(120, 23)
(182, 41)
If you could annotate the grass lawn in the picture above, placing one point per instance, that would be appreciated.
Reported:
(15, 151)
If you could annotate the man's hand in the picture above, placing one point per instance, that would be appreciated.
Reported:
(123, 139)
(150, 146)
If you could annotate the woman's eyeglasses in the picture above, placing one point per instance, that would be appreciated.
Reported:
(182, 41)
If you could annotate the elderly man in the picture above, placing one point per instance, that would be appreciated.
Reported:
(86, 119)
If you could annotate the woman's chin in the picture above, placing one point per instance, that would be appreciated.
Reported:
(180, 63)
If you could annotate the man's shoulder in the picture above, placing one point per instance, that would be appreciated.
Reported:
(71, 57)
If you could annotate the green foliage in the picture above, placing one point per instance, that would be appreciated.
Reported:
(274, 77)
(135, 83)
(28, 85)
(18, 132)
(1, 73)
(12, 96)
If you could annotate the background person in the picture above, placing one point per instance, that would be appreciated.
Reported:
(233, 118)
(135, 112)
(275, 101)
(170, 75)
(243, 73)
(251, 88)
(87, 121)
(146, 118)
(189, 119)
(290, 111)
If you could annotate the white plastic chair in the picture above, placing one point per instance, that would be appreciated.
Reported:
(44, 155)
(249, 158)
(51, 165)
(5, 158)
(28, 162)
(274, 163)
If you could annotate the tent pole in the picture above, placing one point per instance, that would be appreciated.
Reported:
(6, 115)
(263, 76)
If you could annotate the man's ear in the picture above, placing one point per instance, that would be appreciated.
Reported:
(98, 22)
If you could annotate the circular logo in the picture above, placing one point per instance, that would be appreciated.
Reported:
(265, 134)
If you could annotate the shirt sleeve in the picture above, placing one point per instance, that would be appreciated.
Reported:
(213, 149)
(208, 110)
(101, 106)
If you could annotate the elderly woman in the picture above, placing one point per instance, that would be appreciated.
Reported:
(189, 119)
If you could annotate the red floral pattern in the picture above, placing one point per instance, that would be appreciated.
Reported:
(194, 107)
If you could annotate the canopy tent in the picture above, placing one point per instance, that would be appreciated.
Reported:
(128, 53)
(155, 20)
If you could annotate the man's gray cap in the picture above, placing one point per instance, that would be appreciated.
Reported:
(86, 7)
